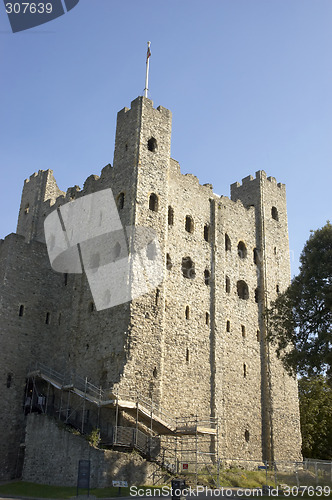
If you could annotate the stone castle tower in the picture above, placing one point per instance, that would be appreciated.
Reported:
(196, 344)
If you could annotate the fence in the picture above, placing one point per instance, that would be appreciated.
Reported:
(280, 473)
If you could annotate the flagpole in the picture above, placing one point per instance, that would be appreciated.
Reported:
(147, 71)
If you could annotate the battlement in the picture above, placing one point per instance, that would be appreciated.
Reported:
(38, 174)
(148, 103)
(250, 180)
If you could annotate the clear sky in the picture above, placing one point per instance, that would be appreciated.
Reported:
(249, 83)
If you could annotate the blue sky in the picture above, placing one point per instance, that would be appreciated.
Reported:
(249, 83)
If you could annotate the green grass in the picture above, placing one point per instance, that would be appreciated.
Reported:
(21, 488)
(236, 478)
(33, 490)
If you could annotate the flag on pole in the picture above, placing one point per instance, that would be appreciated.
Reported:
(148, 53)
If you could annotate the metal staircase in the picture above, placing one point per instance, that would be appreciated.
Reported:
(154, 418)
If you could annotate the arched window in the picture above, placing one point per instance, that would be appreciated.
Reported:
(152, 145)
(242, 290)
(228, 245)
(228, 285)
(170, 216)
(207, 232)
(188, 268)
(153, 202)
(189, 224)
(242, 250)
(120, 201)
(187, 312)
(207, 277)
(274, 213)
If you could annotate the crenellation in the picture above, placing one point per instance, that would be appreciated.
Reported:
(247, 179)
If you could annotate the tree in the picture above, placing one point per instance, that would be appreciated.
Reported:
(315, 396)
(300, 320)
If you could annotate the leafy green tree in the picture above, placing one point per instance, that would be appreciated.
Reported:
(316, 417)
(300, 320)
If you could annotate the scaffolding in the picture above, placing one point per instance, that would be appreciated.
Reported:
(179, 445)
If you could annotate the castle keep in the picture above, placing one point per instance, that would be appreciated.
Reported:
(194, 348)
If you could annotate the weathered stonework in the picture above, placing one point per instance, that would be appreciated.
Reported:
(42, 465)
(193, 345)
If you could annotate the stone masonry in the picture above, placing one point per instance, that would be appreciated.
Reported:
(197, 343)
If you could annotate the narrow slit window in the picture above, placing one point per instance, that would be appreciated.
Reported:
(244, 370)
(228, 285)
(169, 264)
(48, 318)
(274, 213)
(21, 310)
(243, 331)
(121, 199)
(187, 312)
(170, 216)
(187, 355)
(228, 326)
(207, 319)
(153, 202)
(207, 232)
(189, 224)
(228, 245)
(207, 277)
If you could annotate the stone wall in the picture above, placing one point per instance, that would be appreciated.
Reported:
(192, 344)
(52, 456)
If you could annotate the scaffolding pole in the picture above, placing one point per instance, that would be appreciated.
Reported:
(83, 411)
